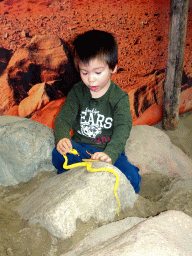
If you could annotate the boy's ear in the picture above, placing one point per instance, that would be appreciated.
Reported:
(114, 70)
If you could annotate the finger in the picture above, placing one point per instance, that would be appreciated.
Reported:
(103, 157)
(67, 149)
(65, 145)
(69, 145)
(61, 145)
(99, 156)
(60, 150)
(108, 160)
(95, 156)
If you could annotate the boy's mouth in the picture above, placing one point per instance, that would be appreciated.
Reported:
(93, 88)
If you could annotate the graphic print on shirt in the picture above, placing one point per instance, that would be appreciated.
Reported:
(92, 123)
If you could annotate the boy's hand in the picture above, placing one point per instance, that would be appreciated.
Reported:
(102, 157)
(64, 146)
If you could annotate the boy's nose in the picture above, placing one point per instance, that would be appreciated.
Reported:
(91, 78)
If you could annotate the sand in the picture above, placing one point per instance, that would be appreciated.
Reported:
(182, 136)
(18, 237)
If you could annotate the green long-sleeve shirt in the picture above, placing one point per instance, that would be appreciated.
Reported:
(104, 122)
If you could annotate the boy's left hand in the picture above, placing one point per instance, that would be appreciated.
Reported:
(101, 156)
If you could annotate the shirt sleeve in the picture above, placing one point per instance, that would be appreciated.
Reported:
(122, 124)
(66, 116)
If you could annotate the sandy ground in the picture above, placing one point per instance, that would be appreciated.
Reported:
(18, 237)
(182, 136)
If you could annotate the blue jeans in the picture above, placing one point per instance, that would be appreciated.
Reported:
(122, 163)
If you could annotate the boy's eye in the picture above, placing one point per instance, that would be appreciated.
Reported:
(83, 73)
(98, 73)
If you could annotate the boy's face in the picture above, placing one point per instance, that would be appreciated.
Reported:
(96, 76)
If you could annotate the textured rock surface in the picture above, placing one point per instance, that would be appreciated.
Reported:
(6, 94)
(77, 195)
(37, 98)
(72, 204)
(48, 114)
(25, 149)
(179, 195)
(5, 56)
(169, 234)
(37, 73)
(29, 62)
(38, 106)
(45, 58)
(141, 30)
(151, 150)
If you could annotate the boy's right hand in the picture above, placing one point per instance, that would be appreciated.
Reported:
(64, 146)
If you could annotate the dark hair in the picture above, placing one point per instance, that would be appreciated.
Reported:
(96, 43)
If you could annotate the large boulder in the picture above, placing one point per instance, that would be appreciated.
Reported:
(5, 56)
(169, 234)
(147, 147)
(7, 99)
(25, 149)
(78, 196)
(179, 195)
(45, 58)
(151, 150)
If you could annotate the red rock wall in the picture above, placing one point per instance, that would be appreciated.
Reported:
(141, 29)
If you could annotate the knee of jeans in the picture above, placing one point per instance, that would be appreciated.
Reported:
(55, 153)
(61, 170)
(57, 158)
(137, 189)
(138, 186)
(74, 144)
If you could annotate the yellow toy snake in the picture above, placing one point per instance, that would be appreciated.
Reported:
(89, 169)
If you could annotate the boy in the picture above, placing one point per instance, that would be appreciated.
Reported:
(96, 109)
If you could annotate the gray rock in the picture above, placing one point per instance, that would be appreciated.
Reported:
(179, 196)
(78, 195)
(25, 149)
(151, 150)
(168, 234)
(10, 119)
